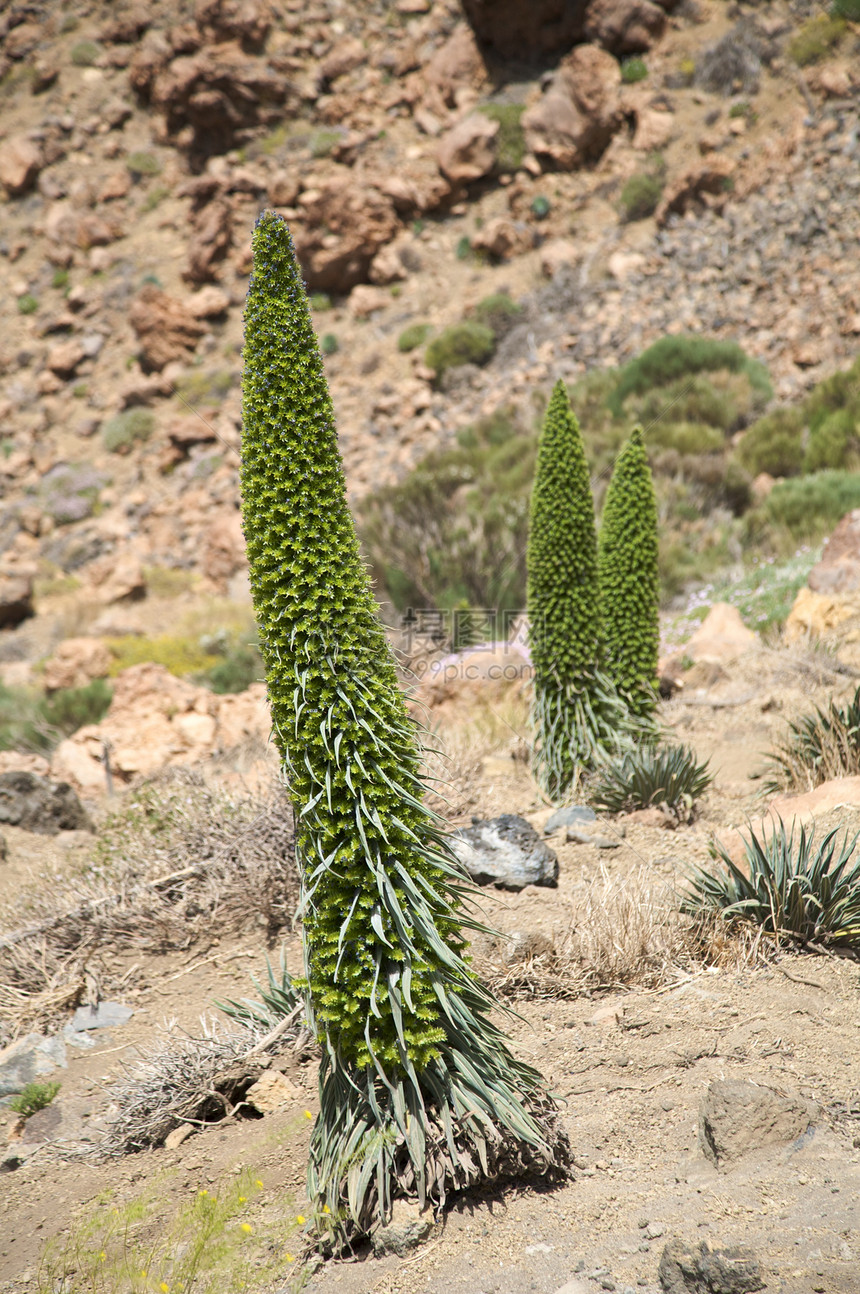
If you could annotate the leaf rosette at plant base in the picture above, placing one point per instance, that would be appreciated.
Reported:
(419, 1093)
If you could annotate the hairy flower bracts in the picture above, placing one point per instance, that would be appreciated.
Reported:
(418, 1091)
(629, 583)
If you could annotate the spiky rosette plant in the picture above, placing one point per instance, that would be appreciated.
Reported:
(628, 579)
(578, 714)
(419, 1093)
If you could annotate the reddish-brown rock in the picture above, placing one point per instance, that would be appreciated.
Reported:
(711, 177)
(211, 238)
(342, 227)
(457, 65)
(76, 662)
(343, 57)
(838, 571)
(165, 327)
(624, 26)
(65, 357)
(247, 21)
(210, 302)
(514, 29)
(20, 163)
(223, 548)
(502, 238)
(579, 111)
(117, 578)
(468, 151)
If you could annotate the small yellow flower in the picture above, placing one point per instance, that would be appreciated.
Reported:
(164, 1287)
(308, 1114)
(247, 1228)
(291, 1258)
(326, 1209)
(243, 1199)
(300, 1219)
(258, 1184)
(202, 1192)
(143, 1275)
(102, 1257)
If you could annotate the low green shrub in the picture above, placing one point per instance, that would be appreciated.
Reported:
(179, 654)
(793, 890)
(32, 721)
(463, 343)
(835, 442)
(69, 492)
(640, 196)
(510, 141)
(498, 312)
(27, 304)
(662, 775)
(329, 344)
(60, 278)
(816, 39)
(806, 508)
(154, 197)
(120, 432)
(320, 301)
(204, 386)
(323, 141)
(143, 164)
(33, 1097)
(413, 337)
(633, 69)
(848, 9)
(671, 358)
(453, 532)
(239, 667)
(85, 53)
(774, 444)
(168, 581)
(685, 437)
(540, 207)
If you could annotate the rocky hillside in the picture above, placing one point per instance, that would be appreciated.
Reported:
(634, 170)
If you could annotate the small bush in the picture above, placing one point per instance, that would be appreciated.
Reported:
(497, 312)
(793, 891)
(323, 141)
(69, 492)
(329, 344)
(168, 581)
(540, 207)
(34, 722)
(667, 775)
(71, 708)
(27, 304)
(817, 746)
(510, 141)
(200, 386)
(808, 507)
(60, 278)
(463, 250)
(671, 358)
(85, 53)
(180, 655)
(33, 1097)
(848, 9)
(320, 301)
(640, 196)
(835, 443)
(143, 164)
(462, 343)
(413, 337)
(685, 437)
(774, 444)
(120, 432)
(240, 666)
(633, 69)
(815, 39)
(734, 60)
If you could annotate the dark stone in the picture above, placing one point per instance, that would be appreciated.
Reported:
(569, 817)
(36, 804)
(16, 599)
(509, 29)
(702, 1270)
(505, 851)
(738, 1117)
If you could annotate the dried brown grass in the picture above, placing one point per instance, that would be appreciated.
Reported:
(627, 932)
(179, 861)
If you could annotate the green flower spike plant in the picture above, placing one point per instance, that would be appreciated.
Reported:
(419, 1093)
(578, 715)
(629, 584)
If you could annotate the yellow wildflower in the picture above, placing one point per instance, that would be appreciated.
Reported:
(247, 1228)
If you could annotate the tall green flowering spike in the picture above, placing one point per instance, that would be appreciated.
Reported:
(629, 584)
(563, 597)
(418, 1090)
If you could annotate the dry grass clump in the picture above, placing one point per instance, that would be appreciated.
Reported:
(626, 933)
(179, 861)
(194, 1079)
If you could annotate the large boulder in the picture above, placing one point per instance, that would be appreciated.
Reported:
(579, 112)
(343, 225)
(507, 852)
(20, 163)
(468, 151)
(738, 1117)
(76, 662)
(165, 328)
(838, 571)
(624, 26)
(35, 804)
(510, 29)
(699, 1269)
(722, 636)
